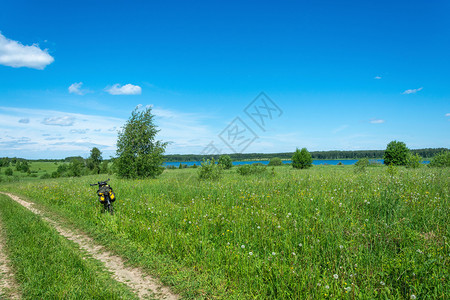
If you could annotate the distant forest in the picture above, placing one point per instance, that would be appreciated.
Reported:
(334, 154)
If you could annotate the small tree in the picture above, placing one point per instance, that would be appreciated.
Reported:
(226, 162)
(139, 154)
(210, 170)
(9, 172)
(413, 161)
(275, 161)
(302, 159)
(76, 168)
(94, 161)
(441, 159)
(361, 165)
(396, 153)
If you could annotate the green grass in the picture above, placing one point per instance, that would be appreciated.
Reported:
(47, 266)
(326, 232)
(37, 170)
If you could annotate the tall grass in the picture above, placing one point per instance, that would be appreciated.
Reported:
(47, 265)
(318, 233)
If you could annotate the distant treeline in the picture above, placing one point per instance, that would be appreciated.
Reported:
(333, 154)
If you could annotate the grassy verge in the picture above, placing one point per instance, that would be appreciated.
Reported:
(326, 232)
(48, 266)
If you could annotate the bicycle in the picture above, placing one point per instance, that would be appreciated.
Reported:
(106, 195)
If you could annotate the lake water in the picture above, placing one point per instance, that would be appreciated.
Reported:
(265, 162)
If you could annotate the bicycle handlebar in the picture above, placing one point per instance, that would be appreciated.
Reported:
(100, 182)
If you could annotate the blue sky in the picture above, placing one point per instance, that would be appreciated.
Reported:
(336, 75)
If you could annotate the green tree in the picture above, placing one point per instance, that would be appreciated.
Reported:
(9, 172)
(226, 162)
(94, 160)
(302, 159)
(209, 170)
(396, 154)
(441, 160)
(139, 155)
(275, 161)
(413, 161)
(76, 168)
(361, 165)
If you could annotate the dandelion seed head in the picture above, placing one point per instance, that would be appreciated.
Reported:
(243, 246)
(336, 276)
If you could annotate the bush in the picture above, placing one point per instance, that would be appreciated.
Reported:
(413, 161)
(9, 172)
(251, 169)
(275, 161)
(392, 170)
(46, 176)
(441, 160)
(396, 153)
(302, 159)
(226, 162)
(361, 165)
(210, 170)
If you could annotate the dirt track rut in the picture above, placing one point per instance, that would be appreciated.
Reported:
(144, 285)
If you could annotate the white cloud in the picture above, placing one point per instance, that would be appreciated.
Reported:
(377, 77)
(127, 89)
(447, 115)
(16, 55)
(412, 91)
(59, 121)
(75, 88)
(377, 121)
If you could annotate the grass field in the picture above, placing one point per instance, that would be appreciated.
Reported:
(47, 266)
(326, 232)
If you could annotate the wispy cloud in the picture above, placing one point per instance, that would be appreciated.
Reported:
(447, 115)
(340, 128)
(412, 91)
(127, 89)
(377, 121)
(59, 121)
(377, 77)
(75, 88)
(24, 121)
(16, 55)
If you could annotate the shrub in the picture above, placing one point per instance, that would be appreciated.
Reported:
(302, 159)
(392, 170)
(9, 172)
(275, 161)
(226, 162)
(361, 165)
(441, 160)
(396, 153)
(46, 176)
(251, 169)
(413, 161)
(210, 170)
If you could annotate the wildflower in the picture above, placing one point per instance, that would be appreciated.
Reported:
(413, 297)
(250, 253)
(293, 253)
(243, 246)
(278, 226)
(259, 227)
(382, 283)
(273, 253)
(300, 245)
(327, 286)
(348, 289)
(335, 276)
(319, 284)
(340, 246)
